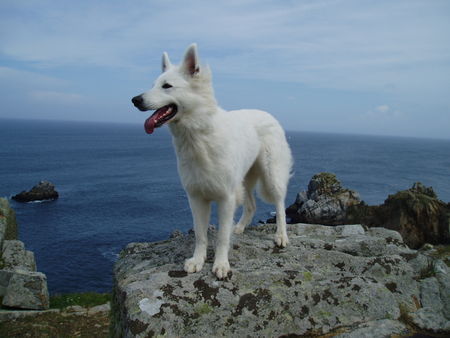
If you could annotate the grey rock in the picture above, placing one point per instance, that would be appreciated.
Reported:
(8, 223)
(429, 319)
(444, 287)
(20, 285)
(352, 229)
(430, 294)
(325, 202)
(99, 309)
(176, 233)
(9, 315)
(15, 257)
(5, 276)
(27, 290)
(329, 278)
(74, 310)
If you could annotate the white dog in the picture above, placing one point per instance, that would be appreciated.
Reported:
(221, 155)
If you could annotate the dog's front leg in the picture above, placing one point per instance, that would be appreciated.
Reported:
(226, 208)
(201, 210)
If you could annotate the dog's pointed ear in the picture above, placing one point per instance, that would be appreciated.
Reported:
(166, 64)
(191, 64)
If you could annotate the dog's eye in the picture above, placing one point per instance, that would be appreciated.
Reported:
(166, 86)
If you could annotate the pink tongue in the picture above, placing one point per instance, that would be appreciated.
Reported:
(150, 123)
(152, 120)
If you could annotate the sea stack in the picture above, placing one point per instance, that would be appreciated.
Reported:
(43, 191)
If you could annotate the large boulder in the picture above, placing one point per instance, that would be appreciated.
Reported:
(416, 213)
(27, 290)
(44, 190)
(346, 280)
(20, 285)
(325, 202)
(15, 257)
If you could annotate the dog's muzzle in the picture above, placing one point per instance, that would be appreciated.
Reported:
(138, 102)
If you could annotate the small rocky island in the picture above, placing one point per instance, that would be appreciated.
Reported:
(43, 191)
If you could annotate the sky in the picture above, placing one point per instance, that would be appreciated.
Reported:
(342, 66)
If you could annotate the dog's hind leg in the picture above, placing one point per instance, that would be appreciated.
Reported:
(274, 192)
(249, 201)
(201, 210)
(275, 163)
(281, 237)
(226, 209)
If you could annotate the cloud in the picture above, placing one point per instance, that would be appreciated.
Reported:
(56, 97)
(16, 77)
(335, 55)
(383, 112)
(330, 44)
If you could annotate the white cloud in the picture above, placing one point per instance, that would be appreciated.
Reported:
(383, 112)
(16, 77)
(337, 44)
(56, 97)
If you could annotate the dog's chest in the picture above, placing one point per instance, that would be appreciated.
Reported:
(203, 168)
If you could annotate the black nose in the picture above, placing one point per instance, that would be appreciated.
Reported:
(137, 100)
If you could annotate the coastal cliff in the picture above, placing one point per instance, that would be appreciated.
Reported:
(347, 280)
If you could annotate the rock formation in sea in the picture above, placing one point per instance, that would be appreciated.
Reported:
(416, 213)
(44, 190)
(347, 280)
(325, 202)
(21, 286)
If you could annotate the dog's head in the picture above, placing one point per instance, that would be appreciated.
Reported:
(176, 92)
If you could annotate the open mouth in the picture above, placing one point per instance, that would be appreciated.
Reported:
(160, 117)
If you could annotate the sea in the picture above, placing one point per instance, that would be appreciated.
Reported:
(119, 185)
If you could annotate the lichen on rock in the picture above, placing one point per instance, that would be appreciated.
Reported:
(345, 279)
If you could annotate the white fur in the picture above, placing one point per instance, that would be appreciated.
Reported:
(221, 156)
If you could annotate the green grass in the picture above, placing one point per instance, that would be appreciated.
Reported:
(88, 299)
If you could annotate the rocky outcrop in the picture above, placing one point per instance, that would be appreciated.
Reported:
(8, 223)
(347, 280)
(416, 213)
(325, 202)
(44, 190)
(20, 285)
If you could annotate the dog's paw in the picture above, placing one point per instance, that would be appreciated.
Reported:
(239, 229)
(193, 265)
(221, 269)
(281, 240)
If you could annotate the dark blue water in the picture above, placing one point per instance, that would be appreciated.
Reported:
(118, 185)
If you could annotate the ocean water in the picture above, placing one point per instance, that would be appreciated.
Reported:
(118, 185)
